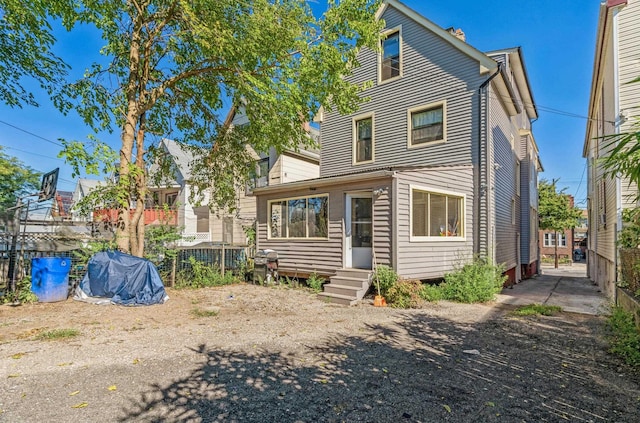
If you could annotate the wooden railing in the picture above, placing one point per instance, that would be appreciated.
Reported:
(154, 216)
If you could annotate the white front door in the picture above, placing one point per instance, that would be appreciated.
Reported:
(358, 230)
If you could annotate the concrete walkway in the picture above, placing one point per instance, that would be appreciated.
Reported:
(567, 287)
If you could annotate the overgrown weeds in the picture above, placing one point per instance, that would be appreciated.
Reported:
(200, 275)
(475, 282)
(624, 338)
(22, 294)
(315, 282)
(384, 278)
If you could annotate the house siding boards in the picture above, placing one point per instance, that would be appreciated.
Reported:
(441, 72)
(502, 136)
(617, 61)
(303, 257)
(431, 259)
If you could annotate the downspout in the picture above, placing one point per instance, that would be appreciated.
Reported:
(482, 186)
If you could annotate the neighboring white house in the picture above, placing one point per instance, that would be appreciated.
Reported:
(614, 106)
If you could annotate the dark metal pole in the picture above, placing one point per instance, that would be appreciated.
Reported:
(11, 273)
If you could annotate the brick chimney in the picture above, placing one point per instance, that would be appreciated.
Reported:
(458, 33)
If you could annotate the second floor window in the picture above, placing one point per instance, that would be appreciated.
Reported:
(363, 140)
(426, 125)
(390, 56)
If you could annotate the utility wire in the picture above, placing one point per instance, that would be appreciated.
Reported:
(32, 134)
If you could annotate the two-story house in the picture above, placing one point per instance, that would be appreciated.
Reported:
(614, 107)
(440, 164)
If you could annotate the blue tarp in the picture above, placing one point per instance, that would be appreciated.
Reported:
(123, 279)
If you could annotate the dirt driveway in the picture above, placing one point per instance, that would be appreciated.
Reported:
(282, 355)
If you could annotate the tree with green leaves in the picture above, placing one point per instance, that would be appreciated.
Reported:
(183, 69)
(16, 180)
(555, 211)
(26, 40)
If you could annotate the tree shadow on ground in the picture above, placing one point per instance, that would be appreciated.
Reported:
(420, 368)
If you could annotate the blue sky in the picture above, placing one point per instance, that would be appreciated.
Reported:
(557, 40)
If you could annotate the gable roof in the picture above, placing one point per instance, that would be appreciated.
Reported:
(486, 63)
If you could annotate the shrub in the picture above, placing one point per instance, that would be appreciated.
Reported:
(431, 293)
(404, 293)
(474, 282)
(384, 278)
(315, 282)
(200, 275)
(625, 337)
(23, 293)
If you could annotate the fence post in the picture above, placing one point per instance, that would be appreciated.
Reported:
(222, 260)
(173, 271)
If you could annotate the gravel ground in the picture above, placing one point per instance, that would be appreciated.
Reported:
(281, 355)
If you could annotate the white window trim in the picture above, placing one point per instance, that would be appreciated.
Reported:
(442, 104)
(513, 210)
(354, 141)
(518, 177)
(386, 32)
(463, 229)
(278, 200)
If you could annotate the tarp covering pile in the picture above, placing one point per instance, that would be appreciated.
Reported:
(122, 279)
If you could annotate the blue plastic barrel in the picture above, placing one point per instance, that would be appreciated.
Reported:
(50, 278)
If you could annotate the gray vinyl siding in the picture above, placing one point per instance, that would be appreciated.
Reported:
(432, 71)
(525, 210)
(325, 256)
(432, 259)
(502, 135)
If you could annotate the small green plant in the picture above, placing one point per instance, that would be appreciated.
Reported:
(537, 309)
(474, 282)
(315, 282)
(384, 278)
(198, 312)
(624, 338)
(22, 295)
(430, 293)
(56, 334)
(405, 293)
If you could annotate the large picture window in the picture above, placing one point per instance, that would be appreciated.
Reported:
(426, 125)
(304, 217)
(436, 214)
(390, 66)
(363, 142)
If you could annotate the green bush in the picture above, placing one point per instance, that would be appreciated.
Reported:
(404, 293)
(384, 278)
(315, 282)
(23, 293)
(431, 293)
(474, 282)
(625, 337)
(200, 275)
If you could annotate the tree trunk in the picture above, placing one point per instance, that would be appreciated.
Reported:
(557, 240)
(123, 231)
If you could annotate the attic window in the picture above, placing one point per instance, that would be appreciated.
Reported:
(390, 66)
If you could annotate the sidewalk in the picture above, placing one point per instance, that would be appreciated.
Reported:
(567, 287)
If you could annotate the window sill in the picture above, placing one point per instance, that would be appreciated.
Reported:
(437, 239)
(425, 144)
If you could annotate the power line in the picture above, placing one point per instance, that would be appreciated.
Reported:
(32, 134)
(34, 154)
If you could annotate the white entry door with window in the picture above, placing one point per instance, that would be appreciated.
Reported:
(358, 230)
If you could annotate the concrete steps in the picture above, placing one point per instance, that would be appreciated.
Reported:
(347, 286)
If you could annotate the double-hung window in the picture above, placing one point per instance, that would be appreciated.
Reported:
(550, 240)
(436, 214)
(390, 63)
(363, 140)
(427, 124)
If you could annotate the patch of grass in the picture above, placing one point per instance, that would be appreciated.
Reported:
(537, 309)
(198, 312)
(55, 334)
(624, 338)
